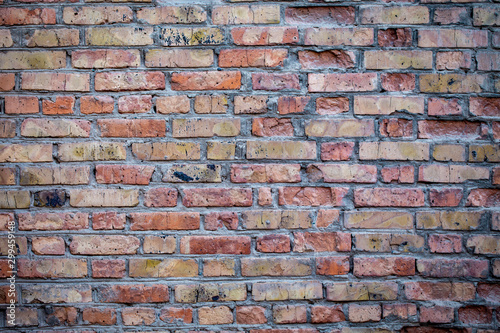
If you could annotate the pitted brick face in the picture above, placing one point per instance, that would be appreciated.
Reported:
(253, 166)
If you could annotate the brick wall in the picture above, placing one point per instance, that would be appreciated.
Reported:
(264, 167)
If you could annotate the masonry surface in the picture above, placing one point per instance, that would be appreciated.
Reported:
(291, 166)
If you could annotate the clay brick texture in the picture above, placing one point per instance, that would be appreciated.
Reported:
(246, 166)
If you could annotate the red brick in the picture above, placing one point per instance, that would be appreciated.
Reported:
(489, 291)
(480, 197)
(444, 107)
(399, 311)
(126, 128)
(448, 243)
(292, 104)
(349, 82)
(322, 242)
(312, 196)
(440, 291)
(327, 217)
(275, 81)
(206, 80)
(397, 81)
(332, 105)
(61, 105)
(96, 104)
(395, 37)
(215, 245)
(453, 268)
(272, 127)
(336, 151)
(400, 174)
(327, 59)
(7, 81)
(319, 15)
(135, 104)
(176, 315)
(123, 81)
(8, 176)
(475, 314)
(124, 174)
(485, 107)
(105, 58)
(21, 104)
(252, 57)
(20, 16)
(445, 197)
(436, 314)
(99, 316)
(47, 245)
(435, 129)
(384, 266)
(265, 35)
(332, 265)
(327, 314)
(108, 221)
(251, 315)
(389, 197)
(221, 220)
(274, 243)
(165, 221)
(396, 128)
(217, 197)
(133, 293)
(114, 268)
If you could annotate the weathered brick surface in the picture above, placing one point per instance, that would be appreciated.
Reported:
(299, 166)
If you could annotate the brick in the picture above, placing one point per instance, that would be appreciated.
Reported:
(364, 313)
(438, 129)
(488, 61)
(453, 268)
(265, 196)
(274, 243)
(484, 244)
(52, 268)
(132, 127)
(342, 173)
(259, 36)
(21, 246)
(165, 151)
(280, 291)
(339, 36)
(179, 58)
(450, 15)
(475, 314)
(163, 268)
(58, 175)
(91, 151)
(445, 197)
(190, 36)
(49, 198)
(161, 197)
(119, 36)
(217, 197)
(206, 292)
(322, 242)
(275, 81)
(361, 291)
(32, 60)
(399, 311)
(105, 58)
(8, 176)
(61, 105)
(133, 293)
(40, 293)
(265, 173)
(483, 198)
(24, 317)
(53, 221)
(281, 150)
(135, 104)
(210, 104)
(124, 174)
(397, 81)
(289, 314)
(394, 37)
(384, 266)
(449, 243)
(104, 245)
(340, 128)
(21, 104)
(22, 16)
(58, 81)
(96, 104)
(205, 127)
(221, 150)
(394, 15)
(154, 244)
(26, 153)
(484, 107)
(277, 219)
(486, 16)
(62, 315)
(209, 80)
(332, 265)
(453, 60)
(104, 198)
(292, 104)
(252, 57)
(319, 15)
(54, 128)
(398, 59)
(349, 82)
(215, 316)
(402, 174)
(436, 314)
(192, 173)
(484, 152)
(389, 197)
(385, 105)
(15, 199)
(7, 81)
(6, 38)
(327, 217)
(97, 15)
(312, 196)
(108, 221)
(337, 151)
(439, 173)
(327, 314)
(52, 38)
(165, 221)
(250, 104)
(444, 107)
(243, 14)
(219, 267)
(436, 291)
(275, 267)
(99, 316)
(488, 292)
(173, 104)
(396, 127)
(394, 151)
(448, 220)
(176, 315)
(251, 315)
(119, 81)
(453, 38)
(215, 245)
(172, 14)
